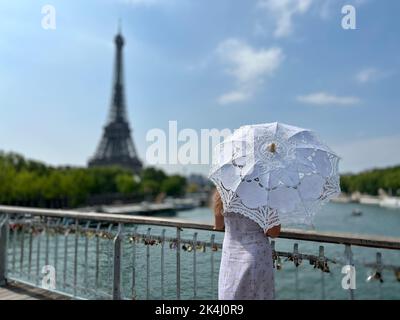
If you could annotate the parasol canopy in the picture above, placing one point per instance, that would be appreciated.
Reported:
(275, 173)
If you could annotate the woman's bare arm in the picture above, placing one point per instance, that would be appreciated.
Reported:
(218, 209)
(219, 223)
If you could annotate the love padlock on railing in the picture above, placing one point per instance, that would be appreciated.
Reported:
(377, 273)
(321, 262)
(295, 257)
(397, 274)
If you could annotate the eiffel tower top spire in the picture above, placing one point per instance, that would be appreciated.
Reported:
(116, 146)
(118, 112)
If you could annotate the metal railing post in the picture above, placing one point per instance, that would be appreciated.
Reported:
(148, 265)
(47, 242)
(212, 265)
(117, 265)
(349, 258)
(97, 268)
(194, 266)
(30, 252)
(296, 271)
(14, 248)
(85, 276)
(22, 247)
(56, 248)
(75, 281)
(3, 248)
(134, 264)
(379, 269)
(321, 258)
(66, 233)
(162, 262)
(38, 246)
(178, 263)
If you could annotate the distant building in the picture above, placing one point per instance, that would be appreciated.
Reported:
(199, 180)
(116, 146)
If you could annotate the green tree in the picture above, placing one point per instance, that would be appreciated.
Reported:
(150, 187)
(23, 179)
(174, 185)
(126, 183)
(153, 174)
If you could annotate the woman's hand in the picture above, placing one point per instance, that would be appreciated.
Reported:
(274, 231)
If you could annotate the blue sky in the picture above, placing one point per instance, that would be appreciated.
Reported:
(206, 64)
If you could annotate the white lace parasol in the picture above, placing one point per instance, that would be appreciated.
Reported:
(275, 174)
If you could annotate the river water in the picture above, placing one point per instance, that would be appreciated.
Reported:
(145, 261)
(335, 217)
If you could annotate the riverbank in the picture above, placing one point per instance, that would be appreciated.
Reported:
(382, 201)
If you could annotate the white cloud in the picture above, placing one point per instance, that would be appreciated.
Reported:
(365, 154)
(233, 97)
(248, 66)
(367, 75)
(372, 75)
(323, 98)
(283, 12)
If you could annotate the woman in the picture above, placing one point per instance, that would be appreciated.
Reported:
(246, 270)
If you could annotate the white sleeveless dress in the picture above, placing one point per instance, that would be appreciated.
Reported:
(246, 271)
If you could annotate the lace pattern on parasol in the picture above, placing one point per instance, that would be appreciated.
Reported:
(253, 159)
(264, 216)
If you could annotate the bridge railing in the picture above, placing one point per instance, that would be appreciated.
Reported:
(91, 255)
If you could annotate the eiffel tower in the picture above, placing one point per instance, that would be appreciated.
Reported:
(116, 146)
